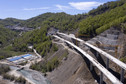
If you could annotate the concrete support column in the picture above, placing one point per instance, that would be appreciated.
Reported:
(101, 78)
(122, 75)
(73, 41)
(91, 66)
(107, 63)
(97, 54)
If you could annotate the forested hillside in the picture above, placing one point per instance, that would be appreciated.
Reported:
(61, 21)
(112, 15)
(99, 23)
(106, 7)
(37, 38)
(36, 21)
(6, 36)
(10, 22)
(64, 22)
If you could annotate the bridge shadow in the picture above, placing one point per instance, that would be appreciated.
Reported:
(93, 72)
(98, 57)
(101, 61)
(117, 75)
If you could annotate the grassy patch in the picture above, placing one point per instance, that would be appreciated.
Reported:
(123, 59)
(46, 66)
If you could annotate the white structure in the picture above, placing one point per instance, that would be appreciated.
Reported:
(108, 56)
(110, 76)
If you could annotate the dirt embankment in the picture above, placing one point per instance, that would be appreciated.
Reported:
(72, 70)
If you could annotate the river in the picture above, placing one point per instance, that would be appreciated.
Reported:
(35, 76)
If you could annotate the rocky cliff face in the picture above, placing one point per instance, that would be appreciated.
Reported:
(112, 41)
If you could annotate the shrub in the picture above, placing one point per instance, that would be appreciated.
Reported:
(123, 59)
(21, 80)
(46, 66)
(55, 48)
(4, 68)
(6, 76)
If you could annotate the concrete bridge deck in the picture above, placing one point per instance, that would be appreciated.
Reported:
(103, 70)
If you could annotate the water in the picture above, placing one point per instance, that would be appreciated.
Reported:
(13, 68)
(32, 75)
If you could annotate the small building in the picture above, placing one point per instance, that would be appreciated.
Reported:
(27, 56)
(14, 59)
(21, 58)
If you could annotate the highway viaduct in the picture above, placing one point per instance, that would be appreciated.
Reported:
(99, 51)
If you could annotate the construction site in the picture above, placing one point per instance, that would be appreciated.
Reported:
(21, 58)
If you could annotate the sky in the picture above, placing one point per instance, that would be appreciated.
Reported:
(25, 9)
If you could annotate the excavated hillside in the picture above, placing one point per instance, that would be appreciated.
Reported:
(113, 42)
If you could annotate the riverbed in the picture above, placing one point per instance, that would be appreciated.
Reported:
(35, 76)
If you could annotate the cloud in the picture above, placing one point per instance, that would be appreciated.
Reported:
(32, 9)
(61, 7)
(84, 5)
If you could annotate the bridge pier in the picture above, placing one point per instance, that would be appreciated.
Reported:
(122, 75)
(91, 66)
(107, 63)
(101, 78)
(74, 41)
(97, 54)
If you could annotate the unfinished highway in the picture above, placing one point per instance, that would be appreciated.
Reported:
(103, 70)
(100, 51)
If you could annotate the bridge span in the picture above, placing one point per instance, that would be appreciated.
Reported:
(103, 70)
(108, 56)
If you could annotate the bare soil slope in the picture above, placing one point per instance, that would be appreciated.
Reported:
(73, 70)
